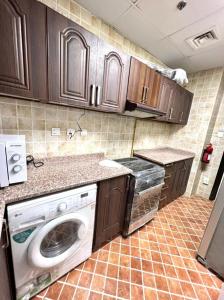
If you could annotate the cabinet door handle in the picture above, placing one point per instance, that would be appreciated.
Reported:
(6, 245)
(93, 94)
(143, 94)
(98, 93)
(181, 116)
(171, 113)
(146, 93)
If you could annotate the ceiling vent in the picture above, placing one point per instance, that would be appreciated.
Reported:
(203, 40)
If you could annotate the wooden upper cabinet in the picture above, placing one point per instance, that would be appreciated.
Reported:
(23, 57)
(186, 102)
(166, 95)
(136, 84)
(176, 101)
(71, 62)
(111, 79)
(144, 84)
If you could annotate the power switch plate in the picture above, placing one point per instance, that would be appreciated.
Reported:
(205, 180)
(55, 131)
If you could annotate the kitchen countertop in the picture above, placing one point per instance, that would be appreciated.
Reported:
(164, 155)
(59, 174)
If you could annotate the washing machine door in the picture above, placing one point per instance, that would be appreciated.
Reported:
(57, 240)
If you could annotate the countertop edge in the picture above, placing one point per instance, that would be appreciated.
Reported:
(160, 162)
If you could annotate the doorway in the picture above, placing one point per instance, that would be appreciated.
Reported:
(217, 180)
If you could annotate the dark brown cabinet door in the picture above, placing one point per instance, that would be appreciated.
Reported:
(112, 78)
(136, 84)
(176, 180)
(166, 95)
(23, 56)
(111, 204)
(72, 54)
(186, 102)
(6, 284)
(144, 84)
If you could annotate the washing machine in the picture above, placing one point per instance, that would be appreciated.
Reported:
(49, 236)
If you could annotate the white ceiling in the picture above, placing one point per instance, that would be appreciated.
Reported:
(159, 27)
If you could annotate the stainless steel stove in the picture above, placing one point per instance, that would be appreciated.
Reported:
(145, 188)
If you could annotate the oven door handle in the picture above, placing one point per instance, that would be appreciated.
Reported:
(147, 190)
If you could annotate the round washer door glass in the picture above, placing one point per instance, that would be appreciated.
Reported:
(57, 240)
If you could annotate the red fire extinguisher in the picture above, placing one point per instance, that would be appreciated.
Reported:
(206, 157)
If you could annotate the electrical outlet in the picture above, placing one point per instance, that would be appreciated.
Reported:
(55, 131)
(205, 180)
(220, 134)
(84, 132)
(70, 132)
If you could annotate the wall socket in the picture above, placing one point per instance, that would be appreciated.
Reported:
(84, 132)
(205, 180)
(55, 131)
(70, 132)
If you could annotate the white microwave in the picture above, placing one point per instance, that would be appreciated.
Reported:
(13, 168)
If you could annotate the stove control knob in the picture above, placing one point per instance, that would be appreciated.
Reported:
(15, 157)
(17, 168)
(62, 207)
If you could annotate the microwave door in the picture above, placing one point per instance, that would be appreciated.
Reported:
(4, 180)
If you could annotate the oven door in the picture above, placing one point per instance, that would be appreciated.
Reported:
(57, 240)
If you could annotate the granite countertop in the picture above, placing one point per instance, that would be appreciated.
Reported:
(164, 155)
(58, 174)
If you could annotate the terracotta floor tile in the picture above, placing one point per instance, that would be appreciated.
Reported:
(111, 286)
(150, 294)
(195, 277)
(98, 283)
(113, 258)
(149, 280)
(135, 263)
(73, 277)
(170, 271)
(80, 294)
(188, 290)
(163, 296)
(159, 259)
(89, 265)
(136, 277)
(123, 290)
(201, 292)
(213, 293)
(85, 279)
(67, 292)
(95, 296)
(125, 261)
(161, 283)
(156, 256)
(147, 266)
(101, 268)
(136, 292)
(54, 290)
(174, 286)
(124, 274)
(112, 271)
(182, 274)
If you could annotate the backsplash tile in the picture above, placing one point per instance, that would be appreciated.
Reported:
(109, 133)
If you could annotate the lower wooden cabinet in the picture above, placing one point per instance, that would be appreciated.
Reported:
(110, 210)
(176, 179)
(6, 284)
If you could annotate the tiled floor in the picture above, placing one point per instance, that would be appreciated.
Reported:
(157, 262)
